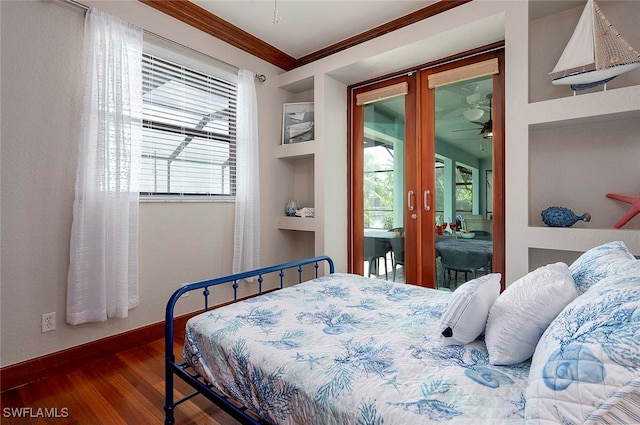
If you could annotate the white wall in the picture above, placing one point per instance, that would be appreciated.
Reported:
(179, 242)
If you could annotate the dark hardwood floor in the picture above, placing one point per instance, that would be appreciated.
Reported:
(126, 388)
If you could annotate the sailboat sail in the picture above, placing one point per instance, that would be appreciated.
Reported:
(579, 51)
(596, 44)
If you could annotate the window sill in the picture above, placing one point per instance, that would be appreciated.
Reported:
(204, 199)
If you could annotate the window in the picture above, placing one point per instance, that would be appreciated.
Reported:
(189, 129)
(464, 189)
(378, 187)
(440, 186)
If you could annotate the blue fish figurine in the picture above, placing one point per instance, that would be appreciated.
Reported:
(562, 217)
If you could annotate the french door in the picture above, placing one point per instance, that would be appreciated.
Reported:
(397, 156)
(383, 119)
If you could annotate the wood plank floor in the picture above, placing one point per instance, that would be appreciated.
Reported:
(127, 388)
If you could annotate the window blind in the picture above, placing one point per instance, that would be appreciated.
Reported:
(189, 131)
(383, 93)
(463, 73)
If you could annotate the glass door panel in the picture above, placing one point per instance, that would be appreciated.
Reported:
(384, 188)
(463, 169)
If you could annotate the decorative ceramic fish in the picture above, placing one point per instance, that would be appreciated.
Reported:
(562, 217)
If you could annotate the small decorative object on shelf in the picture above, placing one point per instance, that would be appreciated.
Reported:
(297, 122)
(633, 211)
(562, 217)
(291, 208)
(305, 212)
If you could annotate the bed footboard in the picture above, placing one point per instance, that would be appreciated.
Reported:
(182, 370)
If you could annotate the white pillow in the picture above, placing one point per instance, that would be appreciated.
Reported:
(524, 311)
(466, 313)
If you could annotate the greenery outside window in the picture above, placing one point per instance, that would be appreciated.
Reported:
(440, 186)
(464, 189)
(378, 187)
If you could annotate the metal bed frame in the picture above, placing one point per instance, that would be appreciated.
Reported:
(187, 373)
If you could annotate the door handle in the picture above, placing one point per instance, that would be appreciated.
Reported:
(410, 195)
(425, 200)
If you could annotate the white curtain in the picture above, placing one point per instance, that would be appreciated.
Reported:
(246, 252)
(103, 271)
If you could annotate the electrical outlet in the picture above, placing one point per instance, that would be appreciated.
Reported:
(48, 322)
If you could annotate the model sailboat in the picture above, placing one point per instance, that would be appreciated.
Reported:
(595, 54)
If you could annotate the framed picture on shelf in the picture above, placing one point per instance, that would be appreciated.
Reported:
(297, 122)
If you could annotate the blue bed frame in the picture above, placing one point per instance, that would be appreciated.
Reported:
(185, 372)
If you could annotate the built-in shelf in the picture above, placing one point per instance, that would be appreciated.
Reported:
(301, 156)
(582, 146)
(551, 25)
(575, 163)
(303, 224)
(589, 107)
(580, 239)
(296, 150)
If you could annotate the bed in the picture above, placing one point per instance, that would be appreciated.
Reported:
(345, 349)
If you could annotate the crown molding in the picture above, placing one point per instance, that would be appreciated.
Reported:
(211, 24)
(217, 27)
(406, 20)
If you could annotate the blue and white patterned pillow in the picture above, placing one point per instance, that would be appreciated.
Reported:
(591, 350)
(597, 263)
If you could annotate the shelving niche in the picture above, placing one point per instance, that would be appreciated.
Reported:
(299, 160)
(551, 24)
(299, 157)
(580, 147)
(575, 163)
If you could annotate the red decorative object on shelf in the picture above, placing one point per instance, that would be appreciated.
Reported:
(633, 211)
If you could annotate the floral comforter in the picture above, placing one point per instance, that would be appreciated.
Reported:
(343, 349)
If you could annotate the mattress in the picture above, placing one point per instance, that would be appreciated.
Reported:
(344, 349)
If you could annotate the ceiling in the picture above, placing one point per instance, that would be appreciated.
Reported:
(317, 29)
(306, 26)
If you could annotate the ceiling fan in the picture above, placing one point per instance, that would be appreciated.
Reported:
(486, 128)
